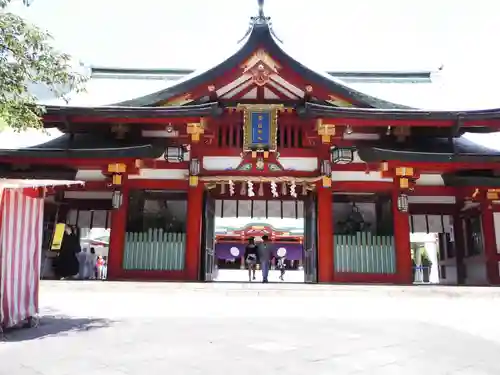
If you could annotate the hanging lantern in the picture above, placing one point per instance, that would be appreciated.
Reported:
(174, 154)
(326, 168)
(403, 205)
(283, 188)
(243, 190)
(223, 188)
(342, 155)
(194, 167)
(117, 199)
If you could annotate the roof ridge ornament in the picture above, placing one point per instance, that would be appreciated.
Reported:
(260, 3)
(260, 20)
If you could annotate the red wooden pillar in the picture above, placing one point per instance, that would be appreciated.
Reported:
(325, 234)
(402, 242)
(117, 237)
(459, 245)
(193, 231)
(489, 242)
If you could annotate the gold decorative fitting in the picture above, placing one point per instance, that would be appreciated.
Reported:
(179, 100)
(260, 66)
(195, 129)
(384, 166)
(117, 179)
(327, 181)
(193, 181)
(211, 88)
(492, 195)
(404, 171)
(309, 89)
(339, 102)
(402, 132)
(404, 183)
(475, 193)
(266, 154)
(254, 154)
(326, 131)
(120, 130)
(139, 163)
(117, 168)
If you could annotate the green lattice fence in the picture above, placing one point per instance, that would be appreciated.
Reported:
(154, 250)
(364, 253)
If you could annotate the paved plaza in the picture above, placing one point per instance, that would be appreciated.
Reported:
(110, 328)
(291, 276)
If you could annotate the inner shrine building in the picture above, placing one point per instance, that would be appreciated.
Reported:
(262, 135)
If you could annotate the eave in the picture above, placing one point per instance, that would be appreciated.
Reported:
(375, 154)
(37, 172)
(85, 146)
(66, 113)
(429, 150)
(471, 179)
(475, 119)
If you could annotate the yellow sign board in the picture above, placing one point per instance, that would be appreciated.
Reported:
(58, 236)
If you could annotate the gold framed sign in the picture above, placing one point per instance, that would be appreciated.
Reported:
(260, 126)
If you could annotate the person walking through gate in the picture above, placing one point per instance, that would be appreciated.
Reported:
(265, 257)
(281, 266)
(251, 258)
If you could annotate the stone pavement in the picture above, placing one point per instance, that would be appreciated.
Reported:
(291, 276)
(108, 328)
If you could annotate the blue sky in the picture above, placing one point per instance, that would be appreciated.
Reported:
(324, 34)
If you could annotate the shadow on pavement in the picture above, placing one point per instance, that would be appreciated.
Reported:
(55, 326)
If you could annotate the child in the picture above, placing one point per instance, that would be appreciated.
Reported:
(100, 264)
(105, 268)
(281, 266)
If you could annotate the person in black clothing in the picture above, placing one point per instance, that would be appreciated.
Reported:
(67, 262)
(251, 258)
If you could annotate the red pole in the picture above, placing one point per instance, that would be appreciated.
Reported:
(117, 237)
(325, 234)
(489, 243)
(402, 242)
(193, 231)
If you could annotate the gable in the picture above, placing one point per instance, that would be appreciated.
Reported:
(260, 79)
(260, 70)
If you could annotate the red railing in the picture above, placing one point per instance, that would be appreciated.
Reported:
(230, 135)
(290, 135)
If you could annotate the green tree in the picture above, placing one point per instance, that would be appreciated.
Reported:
(28, 57)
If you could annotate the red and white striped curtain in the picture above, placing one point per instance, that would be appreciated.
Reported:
(21, 224)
